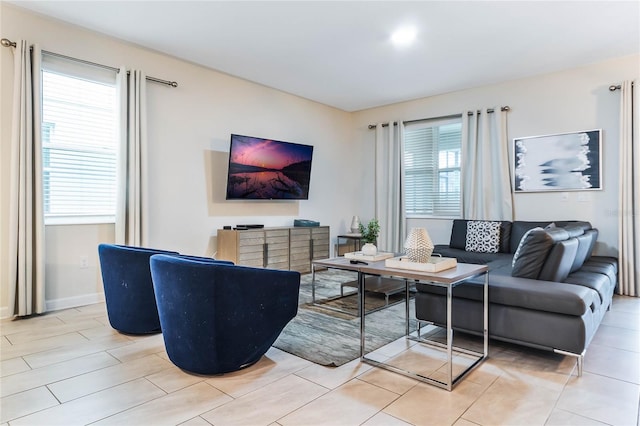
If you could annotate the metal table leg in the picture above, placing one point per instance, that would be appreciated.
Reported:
(407, 300)
(449, 348)
(361, 310)
(486, 314)
(449, 340)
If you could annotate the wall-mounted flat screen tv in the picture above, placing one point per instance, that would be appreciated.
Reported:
(265, 169)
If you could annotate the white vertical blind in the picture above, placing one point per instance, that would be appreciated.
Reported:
(80, 142)
(432, 168)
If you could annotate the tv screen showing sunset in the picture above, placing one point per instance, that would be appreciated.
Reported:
(268, 169)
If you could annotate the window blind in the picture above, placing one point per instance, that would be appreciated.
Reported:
(80, 131)
(432, 168)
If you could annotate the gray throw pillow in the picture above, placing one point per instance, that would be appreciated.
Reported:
(483, 236)
(531, 253)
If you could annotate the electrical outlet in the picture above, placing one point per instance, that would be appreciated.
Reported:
(84, 262)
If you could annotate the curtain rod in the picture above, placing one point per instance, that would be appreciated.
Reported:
(490, 110)
(8, 43)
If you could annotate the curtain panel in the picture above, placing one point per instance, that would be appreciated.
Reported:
(26, 213)
(486, 176)
(629, 195)
(132, 201)
(389, 192)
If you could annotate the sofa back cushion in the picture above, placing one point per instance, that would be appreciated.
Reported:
(520, 228)
(531, 253)
(459, 235)
(574, 224)
(559, 261)
(586, 243)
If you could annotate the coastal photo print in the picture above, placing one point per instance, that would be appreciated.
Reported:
(561, 162)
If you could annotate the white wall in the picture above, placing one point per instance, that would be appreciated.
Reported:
(189, 129)
(573, 100)
(71, 281)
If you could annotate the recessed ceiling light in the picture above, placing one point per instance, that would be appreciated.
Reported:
(404, 36)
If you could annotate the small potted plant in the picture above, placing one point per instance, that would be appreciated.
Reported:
(370, 237)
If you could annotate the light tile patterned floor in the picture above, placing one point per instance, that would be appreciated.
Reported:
(69, 367)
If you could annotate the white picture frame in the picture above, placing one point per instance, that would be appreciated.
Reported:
(558, 162)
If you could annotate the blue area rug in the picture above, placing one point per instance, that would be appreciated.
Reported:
(331, 338)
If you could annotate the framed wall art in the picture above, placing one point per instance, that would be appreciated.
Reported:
(561, 162)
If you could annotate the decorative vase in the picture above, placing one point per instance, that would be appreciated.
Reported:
(418, 245)
(355, 225)
(369, 249)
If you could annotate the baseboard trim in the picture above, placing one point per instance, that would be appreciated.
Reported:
(4, 312)
(73, 302)
(64, 303)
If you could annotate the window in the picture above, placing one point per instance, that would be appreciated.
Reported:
(432, 154)
(80, 133)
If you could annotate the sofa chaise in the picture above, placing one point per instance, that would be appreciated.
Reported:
(546, 289)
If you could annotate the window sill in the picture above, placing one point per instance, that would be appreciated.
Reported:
(78, 220)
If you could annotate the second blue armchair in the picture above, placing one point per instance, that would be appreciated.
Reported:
(217, 317)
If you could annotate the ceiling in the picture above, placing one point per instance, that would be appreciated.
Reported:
(339, 53)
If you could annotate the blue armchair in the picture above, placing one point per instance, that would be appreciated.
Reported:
(128, 289)
(217, 317)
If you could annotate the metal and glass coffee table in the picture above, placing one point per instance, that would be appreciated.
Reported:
(383, 286)
(447, 279)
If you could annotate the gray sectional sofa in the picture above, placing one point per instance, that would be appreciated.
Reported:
(546, 289)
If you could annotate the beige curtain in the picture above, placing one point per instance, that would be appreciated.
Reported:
(26, 215)
(629, 197)
(486, 190)
(132, 205)
(389, 193)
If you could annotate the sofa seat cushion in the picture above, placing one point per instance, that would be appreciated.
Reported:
(547, 296)
(606, 260)
(464, 256)
(603, 268)
(501, 266)
(595, 281)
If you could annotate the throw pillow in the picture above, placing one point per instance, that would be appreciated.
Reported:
(531, 253)
(483, 236)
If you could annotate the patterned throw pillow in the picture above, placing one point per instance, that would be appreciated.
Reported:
(483, 236)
